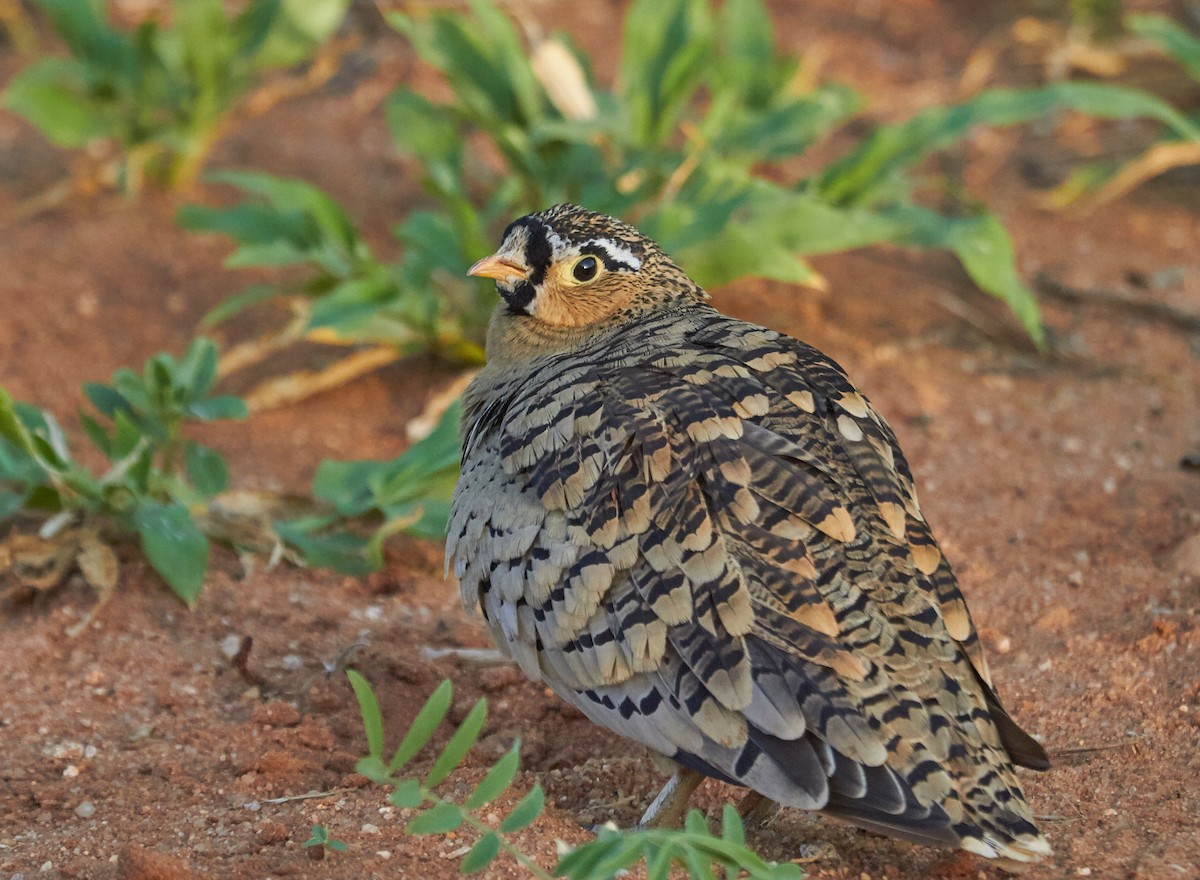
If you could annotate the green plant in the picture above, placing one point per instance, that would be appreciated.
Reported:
(350, 296)
(156, 479)
(688, 143)
(319, 837)
(163, 94)
(694, 848)
(410, 494)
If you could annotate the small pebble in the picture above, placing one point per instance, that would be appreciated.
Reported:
(70, 772)
(85, 810)
(230, 645)
(292, 662)
(369, 828)
(253, 807)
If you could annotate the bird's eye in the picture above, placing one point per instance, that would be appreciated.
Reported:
(585, 269)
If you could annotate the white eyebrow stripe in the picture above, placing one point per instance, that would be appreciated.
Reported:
(618, 253)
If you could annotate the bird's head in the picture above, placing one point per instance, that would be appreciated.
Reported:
(569, 267)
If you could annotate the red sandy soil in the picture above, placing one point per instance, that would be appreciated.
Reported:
(1054, 481)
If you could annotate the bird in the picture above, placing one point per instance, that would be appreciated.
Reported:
(701, 534)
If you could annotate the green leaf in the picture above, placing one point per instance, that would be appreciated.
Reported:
(285, 194)
(483, 58)
(422, 129)
(223, 406)
(1169, 36)
(666, 48)
(373, 768)
(732, 829)
(423, 726)
(198, 368)
(408, 795)
(658, 861)
(49, 439)
(460, 743)
(698, 866)
(206, 469)
(51, 94)
(747, 63)
(423, 475)
(525, 812)
(174, 546)
(96, 433)
(438, 819)
(235, 305)
(481, 854)
(252, 26)
(864, 174)
(777, 132)
(252, 223)
(606, 856)
(347, 303)
(159, 377)
(982, 245)
(85, 29)
(497, 780)
(368, 707)
(299, 29)
(106, 399)
(11, 426)
(342, 551)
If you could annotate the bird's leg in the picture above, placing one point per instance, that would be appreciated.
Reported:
(667, 809)
(756, 810)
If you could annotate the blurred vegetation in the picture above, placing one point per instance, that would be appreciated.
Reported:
(1094, 183)
(162, 94)
(689, 145)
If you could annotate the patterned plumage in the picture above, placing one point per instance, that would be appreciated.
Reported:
(700, 533)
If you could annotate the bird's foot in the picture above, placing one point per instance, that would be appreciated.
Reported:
(756, 810)
(669, 806)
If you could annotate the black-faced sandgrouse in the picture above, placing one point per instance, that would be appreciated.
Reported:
(702, 535)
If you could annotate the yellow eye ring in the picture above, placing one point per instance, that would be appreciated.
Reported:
(585, 269)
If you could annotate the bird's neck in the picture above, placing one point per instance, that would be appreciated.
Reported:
(515, 338)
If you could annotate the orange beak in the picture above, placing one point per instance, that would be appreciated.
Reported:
(498, 267)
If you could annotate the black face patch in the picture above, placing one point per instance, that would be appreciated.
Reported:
(538, 253)
(519, 298)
